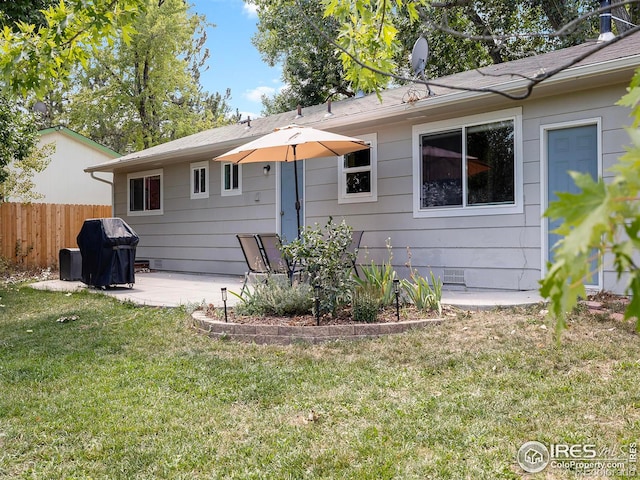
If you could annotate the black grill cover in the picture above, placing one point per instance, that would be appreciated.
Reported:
(108, 249)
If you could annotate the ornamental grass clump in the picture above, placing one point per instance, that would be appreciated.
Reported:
(365, 305)
(377, 279)
(425, 296)
(276, 296)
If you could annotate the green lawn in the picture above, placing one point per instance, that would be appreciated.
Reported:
(130, 392)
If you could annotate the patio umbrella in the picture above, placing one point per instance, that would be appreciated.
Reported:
(292, 143)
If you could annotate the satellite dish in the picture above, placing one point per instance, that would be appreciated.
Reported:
(419, 56)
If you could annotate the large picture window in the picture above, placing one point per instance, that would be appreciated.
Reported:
(200, 180)
(358, 173)
(468, 168)
(145, 193)
(231, 179)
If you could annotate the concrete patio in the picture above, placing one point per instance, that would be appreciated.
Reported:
(171, 289)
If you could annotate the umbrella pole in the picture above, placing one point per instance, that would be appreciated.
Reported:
(295, 180)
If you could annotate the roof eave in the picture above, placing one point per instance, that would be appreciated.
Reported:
(590, 71)
(201, 151)
(512, 87)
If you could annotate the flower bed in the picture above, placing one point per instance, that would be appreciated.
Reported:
(287, 330)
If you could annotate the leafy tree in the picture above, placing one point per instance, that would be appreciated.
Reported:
(20, 157)
(375, 38)
(491, 31)
(310, 68)
(603, 218)
(27, 11)
(40, 43)
(144, 90)
(34, 57)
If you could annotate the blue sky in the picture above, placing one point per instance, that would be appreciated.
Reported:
(235, 63)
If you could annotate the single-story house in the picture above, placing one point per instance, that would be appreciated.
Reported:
(461, 178)
(64, 180)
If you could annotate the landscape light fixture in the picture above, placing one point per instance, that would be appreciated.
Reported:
(396, 290)
(223, 291)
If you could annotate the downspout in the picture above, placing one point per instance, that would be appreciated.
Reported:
(113, 193)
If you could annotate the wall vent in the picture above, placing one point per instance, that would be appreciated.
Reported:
(157, 264)
(453, 275)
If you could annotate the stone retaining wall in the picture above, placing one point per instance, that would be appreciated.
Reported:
(285, 335)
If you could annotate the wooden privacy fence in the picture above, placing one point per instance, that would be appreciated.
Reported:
(33, 234)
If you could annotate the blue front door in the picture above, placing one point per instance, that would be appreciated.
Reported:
(288, 218)
(570, 149)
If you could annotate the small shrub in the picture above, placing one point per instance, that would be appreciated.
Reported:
(327, 261)
(276, 297)
(365, 305)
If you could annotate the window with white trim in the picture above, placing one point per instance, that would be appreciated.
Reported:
(231, 179)
(358, 173)
(144, 191)
(468, 167)
(200, 180)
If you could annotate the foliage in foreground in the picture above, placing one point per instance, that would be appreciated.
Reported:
(130, 392)
(605, 217)
(35, 57)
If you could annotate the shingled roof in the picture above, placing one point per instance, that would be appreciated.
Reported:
(509, 77)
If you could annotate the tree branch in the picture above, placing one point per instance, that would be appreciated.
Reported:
(532, 81)
(566, 29)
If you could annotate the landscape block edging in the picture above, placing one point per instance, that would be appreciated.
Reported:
(287, 334)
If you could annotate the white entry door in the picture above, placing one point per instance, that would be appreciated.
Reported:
(570, 148)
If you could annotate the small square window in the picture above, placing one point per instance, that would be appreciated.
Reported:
(200, 180)
(358, 173)
(231, 179)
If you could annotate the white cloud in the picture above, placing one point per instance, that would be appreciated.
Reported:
(252, 115)
(256, 94)
(250, 9)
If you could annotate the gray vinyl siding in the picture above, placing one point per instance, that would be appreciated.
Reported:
(198, 235)
(492, 251)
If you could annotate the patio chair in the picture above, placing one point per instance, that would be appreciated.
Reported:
(253, 255)
(276, 262)
(356, 238)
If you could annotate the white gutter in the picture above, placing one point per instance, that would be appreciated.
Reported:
(111, 165)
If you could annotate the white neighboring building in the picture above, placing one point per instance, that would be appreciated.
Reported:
(64, 180)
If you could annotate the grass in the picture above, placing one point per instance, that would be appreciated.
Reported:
(131, 392)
